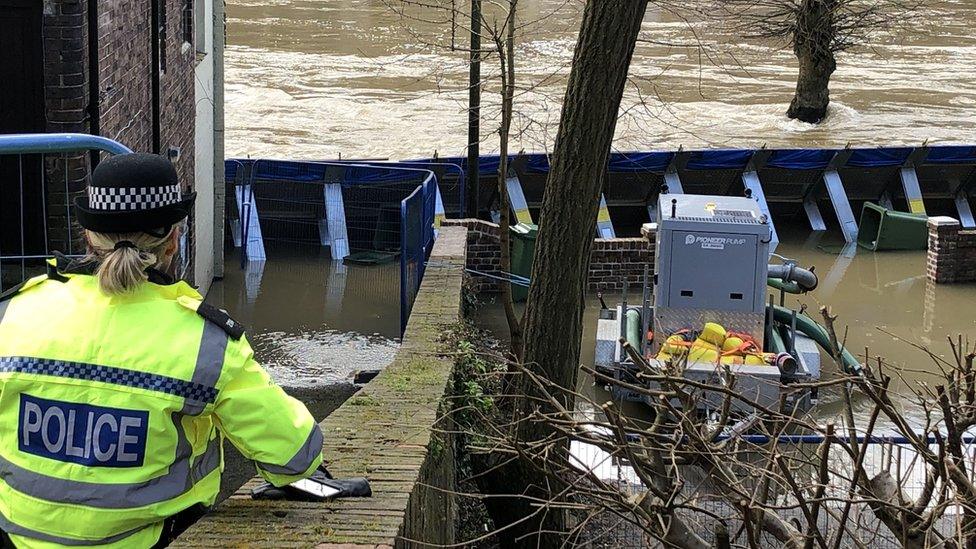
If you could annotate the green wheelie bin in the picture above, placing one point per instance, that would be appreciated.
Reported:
(523, 248)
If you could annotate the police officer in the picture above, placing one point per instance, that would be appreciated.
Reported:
(118, 385)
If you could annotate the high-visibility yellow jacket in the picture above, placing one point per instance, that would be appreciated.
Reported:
(113, 410)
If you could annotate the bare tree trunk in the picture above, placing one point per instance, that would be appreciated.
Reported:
(506, 52)
(608, 34)
(572, 197)
(813, 41)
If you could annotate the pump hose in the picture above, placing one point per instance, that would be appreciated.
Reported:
(788, 287)
(793, 277)
(810, 328)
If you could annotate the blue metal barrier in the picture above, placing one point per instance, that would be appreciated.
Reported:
(301, 201)
(411, 252)
(40, 174)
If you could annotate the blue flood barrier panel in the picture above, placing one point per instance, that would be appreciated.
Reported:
(800, 159)
(953, 154)
(797, 159)
(439, 214)
(335, 215)
(673, 181)
(913, 192)
(885, 201)
(516, 199)
(604, 226)
(812, 209)
(879, 158)
(965, 211)
(721, 159)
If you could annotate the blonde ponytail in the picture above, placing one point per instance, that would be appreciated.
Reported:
(124, 257)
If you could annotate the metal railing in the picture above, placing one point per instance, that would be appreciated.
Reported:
(40, 174)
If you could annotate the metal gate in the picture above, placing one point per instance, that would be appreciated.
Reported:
(40, 175)
(347, 207)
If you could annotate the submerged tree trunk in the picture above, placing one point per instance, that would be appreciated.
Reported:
(553, 316)
(813, 43)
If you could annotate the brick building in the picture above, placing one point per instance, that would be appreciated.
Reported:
(146, 73)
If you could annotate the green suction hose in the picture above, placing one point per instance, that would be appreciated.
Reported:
(810, 328)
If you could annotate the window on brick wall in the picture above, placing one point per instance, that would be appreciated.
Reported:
(187, 21)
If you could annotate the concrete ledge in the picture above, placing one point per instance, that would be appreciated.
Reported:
(383, 433)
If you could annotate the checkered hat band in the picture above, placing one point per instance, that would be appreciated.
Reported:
(132, 198)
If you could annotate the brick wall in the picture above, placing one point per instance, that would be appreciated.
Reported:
(610, 259)
(65, 31)
(124, 91)
(177, 105)
(124, 65)
(951, 252)
(178, 108)
(65, 34)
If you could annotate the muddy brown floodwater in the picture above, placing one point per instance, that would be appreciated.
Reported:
(311, 320)
(316, 78)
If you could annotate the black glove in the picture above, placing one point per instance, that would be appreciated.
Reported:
(335, 488)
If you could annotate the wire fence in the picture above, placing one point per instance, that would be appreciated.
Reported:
(708, 509)
(40, 176)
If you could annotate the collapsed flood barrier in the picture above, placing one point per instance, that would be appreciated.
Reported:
(364, 213)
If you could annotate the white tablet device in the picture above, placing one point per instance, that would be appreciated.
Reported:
(316, 489)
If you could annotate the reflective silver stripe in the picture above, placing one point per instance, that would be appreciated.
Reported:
(112, 496)
(208, 462)
(17, 530)
(303, 458)
(210, 358)
(3, 308)
(210, 362)
(178, 480)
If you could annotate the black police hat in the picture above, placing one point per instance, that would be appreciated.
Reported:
(133, 193)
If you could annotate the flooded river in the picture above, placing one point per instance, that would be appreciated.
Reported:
(319, 78)
(323, 78)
